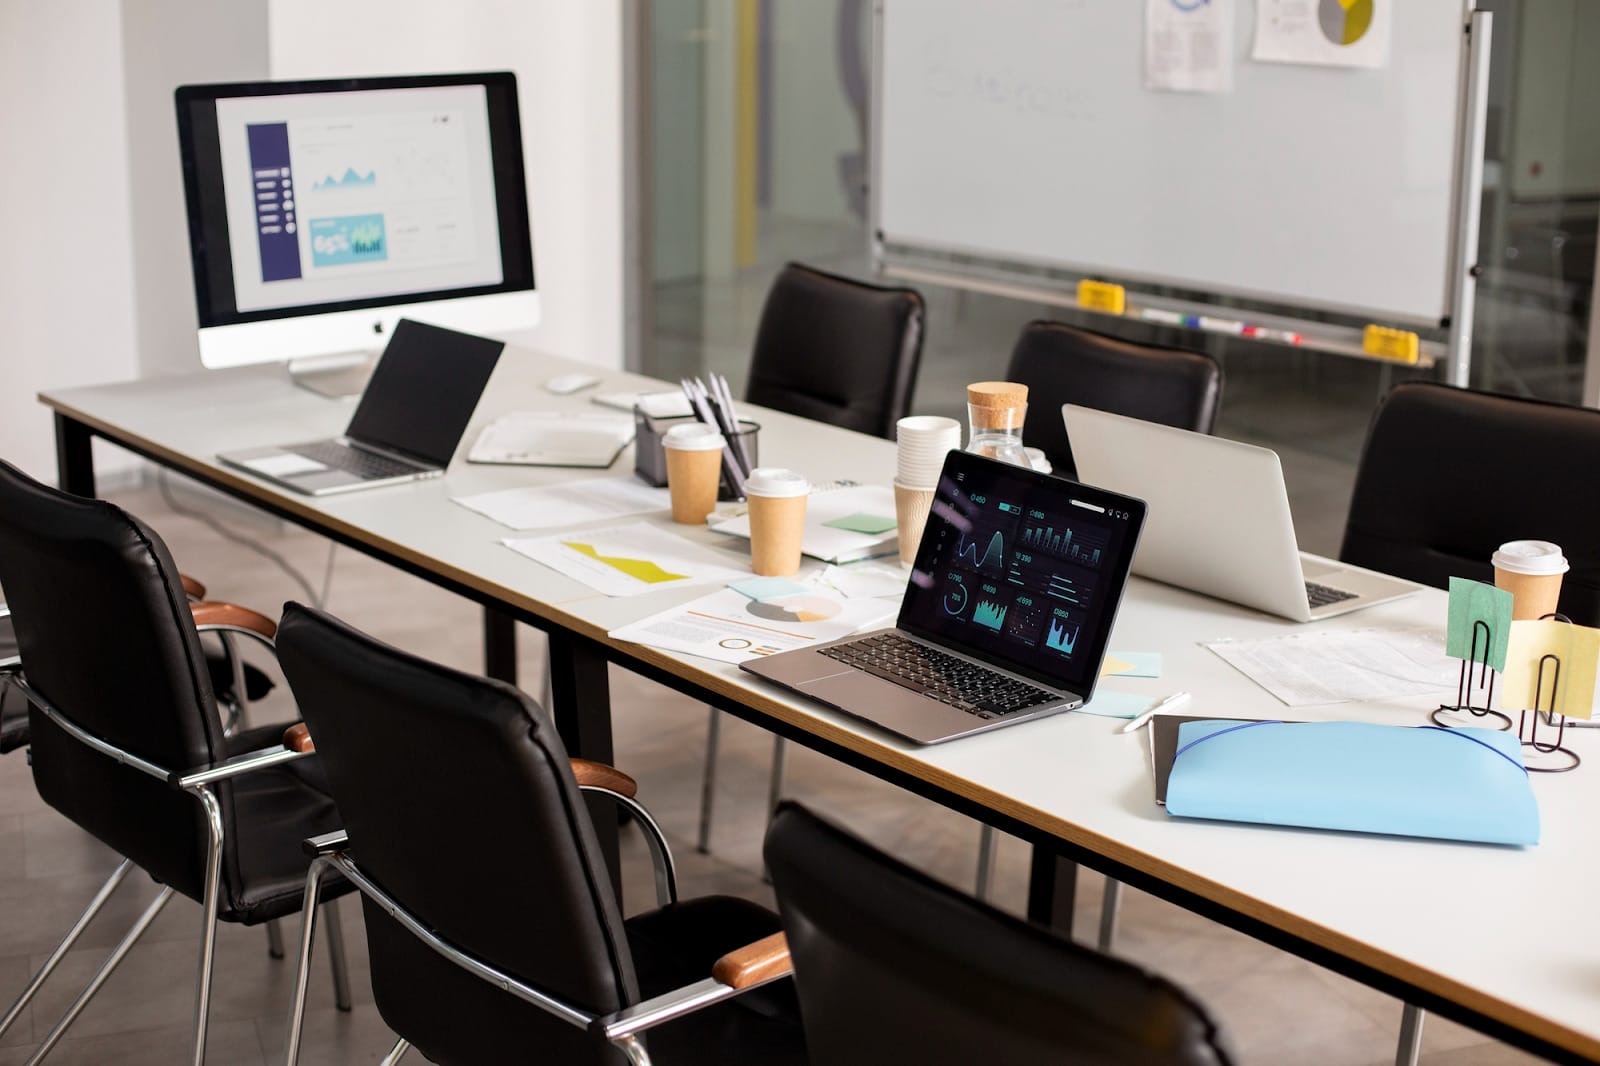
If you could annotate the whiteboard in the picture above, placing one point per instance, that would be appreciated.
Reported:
(1019, 132)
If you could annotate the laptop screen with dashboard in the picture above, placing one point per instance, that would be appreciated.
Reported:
(1022, 570)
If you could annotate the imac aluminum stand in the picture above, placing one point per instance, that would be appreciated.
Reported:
(336, 376)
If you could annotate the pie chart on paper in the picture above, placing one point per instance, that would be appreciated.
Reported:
(1344, 22)
(793, 609)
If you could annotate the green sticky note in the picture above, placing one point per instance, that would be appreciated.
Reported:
(1472, 602)
(861, 522)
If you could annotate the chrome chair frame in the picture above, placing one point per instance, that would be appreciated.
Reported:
(621, 1028)
(198, 783)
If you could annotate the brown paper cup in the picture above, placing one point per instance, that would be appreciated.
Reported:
(692, 477)
(777, 525)
(911, 514)
(1532, 595)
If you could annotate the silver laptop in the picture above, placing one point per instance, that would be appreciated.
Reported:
(1219, 518)
(410, 418)
(1006, 617)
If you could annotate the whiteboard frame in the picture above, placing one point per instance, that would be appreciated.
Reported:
(1054, 282)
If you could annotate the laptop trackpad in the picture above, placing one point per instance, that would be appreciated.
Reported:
(910, 714)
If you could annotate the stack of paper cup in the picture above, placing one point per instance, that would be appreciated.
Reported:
(923, 442)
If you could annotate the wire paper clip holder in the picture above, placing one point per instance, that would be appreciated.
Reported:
(1528, 721)
(1486, 677)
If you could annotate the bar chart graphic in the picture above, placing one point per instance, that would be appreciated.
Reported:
(1074, 546)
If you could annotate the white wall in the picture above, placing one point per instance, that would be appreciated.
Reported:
(66, 304)
(567, 55)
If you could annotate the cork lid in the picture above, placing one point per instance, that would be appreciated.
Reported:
(997, 394)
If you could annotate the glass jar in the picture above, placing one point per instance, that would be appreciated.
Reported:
(995, 413)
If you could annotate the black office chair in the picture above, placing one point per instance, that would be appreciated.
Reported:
(493, 929)
(892, 966)
(839, 351)
(1065, 364)
(13, 705)
(1447, 475)
(125, 735)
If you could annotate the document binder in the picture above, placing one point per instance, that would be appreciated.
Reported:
(1423, 781)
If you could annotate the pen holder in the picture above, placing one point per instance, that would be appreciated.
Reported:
(650, 460)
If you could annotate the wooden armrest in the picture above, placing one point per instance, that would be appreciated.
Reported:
(298, 738)
(207, 613)
(754, 963)
(192, 588)
(598, 774)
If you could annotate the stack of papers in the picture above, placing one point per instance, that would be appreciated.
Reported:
(572, 503)
(842, 525)
(629, 560)
(732, 627)
(552, 439)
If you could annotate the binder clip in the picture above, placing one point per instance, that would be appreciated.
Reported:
(1450, 715)
(1561, 759)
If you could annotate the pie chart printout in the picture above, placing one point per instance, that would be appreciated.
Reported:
(795, 609)
(1345, 22)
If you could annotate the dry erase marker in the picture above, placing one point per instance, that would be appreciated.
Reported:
(1156, 314)
(1283, 336)
(1167, 704)
(1221, 325)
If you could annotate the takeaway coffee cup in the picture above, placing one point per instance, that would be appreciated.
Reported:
(694, 468)
(777, 500)
(1531, 571)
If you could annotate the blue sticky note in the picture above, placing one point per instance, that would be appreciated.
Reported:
(1472, 602)
(767, 588)
(1140, 663)
(1111, 704)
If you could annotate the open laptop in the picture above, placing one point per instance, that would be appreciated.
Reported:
(1006, 617)
(1219, 518)
(410, 418)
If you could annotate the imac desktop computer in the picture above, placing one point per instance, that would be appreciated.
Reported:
(321, 212)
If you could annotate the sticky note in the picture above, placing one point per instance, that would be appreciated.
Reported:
(1401, 345)
(1111, 704)
(861, 522)
(1577, 648)
(1472, 602)
(767, 588)
(1102, 296)
(1133, 664)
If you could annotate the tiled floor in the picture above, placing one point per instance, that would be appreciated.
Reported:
(1277, 1008)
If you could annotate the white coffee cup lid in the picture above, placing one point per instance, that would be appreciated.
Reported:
(692, 437)
(1530, 557)
(775, 481)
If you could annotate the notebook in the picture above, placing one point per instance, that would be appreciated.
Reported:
(1006, 616)
(532, 438)
(844, 523)
(1219, 518)
(406, 427)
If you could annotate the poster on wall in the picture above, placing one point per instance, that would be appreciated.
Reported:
(1327, 33)
(1188, 45)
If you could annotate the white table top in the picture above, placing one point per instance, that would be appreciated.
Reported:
(1508, 933)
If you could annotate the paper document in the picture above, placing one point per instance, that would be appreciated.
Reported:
(628, 560)
(730, 627)
(1188, 45)
(1327, 33)
(1344, 667)
(530, 438)
(569, 504)
(829, 542)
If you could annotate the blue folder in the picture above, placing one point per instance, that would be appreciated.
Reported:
(1422, 781)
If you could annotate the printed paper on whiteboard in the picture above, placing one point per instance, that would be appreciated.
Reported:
(1329, 33)
(1188, 45)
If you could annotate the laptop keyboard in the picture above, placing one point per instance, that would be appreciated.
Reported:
(963, 685)
(1322, 595)
(369, 466)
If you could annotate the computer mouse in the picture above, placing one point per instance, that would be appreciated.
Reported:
(562, 384)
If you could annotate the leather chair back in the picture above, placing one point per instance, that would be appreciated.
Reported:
(1064, 364)
(1447, 475)
(106, 635)
(459, 801)
(837, 350)
(891, 966)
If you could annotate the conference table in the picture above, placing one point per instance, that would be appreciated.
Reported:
(1505, 940)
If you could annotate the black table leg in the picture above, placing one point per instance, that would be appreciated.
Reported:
(580, 690)
(74, 457)
(1052, 890)
(499, 646)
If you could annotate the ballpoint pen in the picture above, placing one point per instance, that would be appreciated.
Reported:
(1150, 712)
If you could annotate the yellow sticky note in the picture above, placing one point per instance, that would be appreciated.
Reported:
(1102, 296)
(1578, 650)
(1113, 666)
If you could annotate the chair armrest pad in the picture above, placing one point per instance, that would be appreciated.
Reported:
(192, 588)
(599, 775)
(207, 613)
(754, 964)
(298, 738)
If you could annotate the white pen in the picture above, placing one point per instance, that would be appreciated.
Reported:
(1171, 701)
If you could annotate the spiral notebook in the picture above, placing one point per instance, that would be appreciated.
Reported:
(532, 438)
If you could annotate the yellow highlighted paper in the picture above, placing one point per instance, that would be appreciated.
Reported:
(638, 569)
(1401, 345)
(1102, 296)
(1578, 650)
